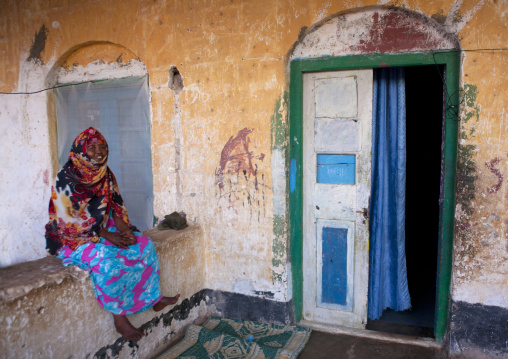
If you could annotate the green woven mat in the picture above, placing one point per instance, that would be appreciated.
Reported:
(221, 338)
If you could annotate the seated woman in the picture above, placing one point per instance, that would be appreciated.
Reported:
(89, 227)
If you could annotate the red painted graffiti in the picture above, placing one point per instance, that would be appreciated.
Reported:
(397, 32)
(236, 158)
(491, 167)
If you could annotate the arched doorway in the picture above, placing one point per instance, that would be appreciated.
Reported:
(358, 42)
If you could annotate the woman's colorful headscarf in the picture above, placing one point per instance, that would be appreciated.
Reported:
(82, 197)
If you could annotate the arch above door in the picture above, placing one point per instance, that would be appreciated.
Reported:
(373, 30)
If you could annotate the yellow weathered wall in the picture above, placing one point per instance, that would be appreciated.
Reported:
(232, 55)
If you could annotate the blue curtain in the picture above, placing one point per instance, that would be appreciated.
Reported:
(387, 274)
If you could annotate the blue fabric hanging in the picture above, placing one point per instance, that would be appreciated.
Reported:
(388, 286)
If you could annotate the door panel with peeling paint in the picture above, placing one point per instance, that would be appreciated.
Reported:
(336, 184)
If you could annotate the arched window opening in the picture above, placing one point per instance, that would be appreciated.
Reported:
(119, 108)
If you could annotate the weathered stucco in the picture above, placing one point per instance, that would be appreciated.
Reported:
(219, 146)
(43, 302)
(481, 247)
(374, 30)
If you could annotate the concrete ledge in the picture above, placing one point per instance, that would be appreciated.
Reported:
(171, 235)
(48, 310)
(20, 279)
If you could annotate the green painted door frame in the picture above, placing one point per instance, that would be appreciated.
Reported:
(451, 61)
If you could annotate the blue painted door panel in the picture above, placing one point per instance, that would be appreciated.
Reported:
(334, 267)
(336, 169)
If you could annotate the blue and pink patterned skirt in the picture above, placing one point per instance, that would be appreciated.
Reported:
(125, 281)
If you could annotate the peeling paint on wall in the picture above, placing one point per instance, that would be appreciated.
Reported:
(397, 32)
(278, 123)
(460, 14)
(279, 136)
(38, 45)
(466, 183)
(175, 83)
(279, 244)
(98, 70)
(373, 30)
(480, 220)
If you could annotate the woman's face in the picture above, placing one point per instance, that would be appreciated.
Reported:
(97, 151)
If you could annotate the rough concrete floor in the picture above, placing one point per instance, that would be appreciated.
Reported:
(337, 346)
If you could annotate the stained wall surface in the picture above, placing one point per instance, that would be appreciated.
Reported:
(42, 302)
(219, 143)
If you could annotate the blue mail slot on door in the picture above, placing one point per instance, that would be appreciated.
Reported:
(336, 169)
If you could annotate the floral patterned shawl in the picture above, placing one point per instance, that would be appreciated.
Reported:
(82, 198)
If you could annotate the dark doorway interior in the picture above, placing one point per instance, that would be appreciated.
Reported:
(424, 114)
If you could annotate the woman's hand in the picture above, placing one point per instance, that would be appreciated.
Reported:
(123, 239)
(128, 236)
(125, 231)
(116, 238)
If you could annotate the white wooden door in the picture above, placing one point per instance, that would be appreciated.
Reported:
(337, 136)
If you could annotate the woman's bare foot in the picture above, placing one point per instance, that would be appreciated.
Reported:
(164, 302)
(124, 327)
